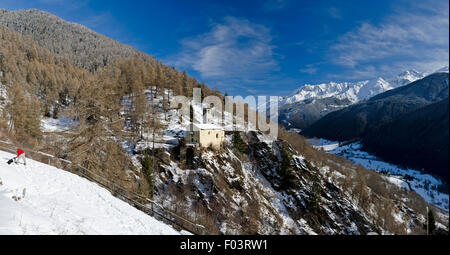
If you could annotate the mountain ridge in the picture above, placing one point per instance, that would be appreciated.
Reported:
(413, 96)
(83, 46)
(353, 91)
(309, 103)
(369, 118)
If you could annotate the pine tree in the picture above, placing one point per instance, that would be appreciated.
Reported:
(286, 168)
(24, 113)
(147, 168)
(238, 144)
(136, 113)
(286, 160)
(161, 79)
(431, 222)
(16, 108)
(314, 197)
(32, 118)
(185, 84)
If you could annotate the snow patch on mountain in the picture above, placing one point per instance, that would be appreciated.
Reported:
(60, 124)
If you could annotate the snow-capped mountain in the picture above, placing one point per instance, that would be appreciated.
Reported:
(353, 91)
(309, 103)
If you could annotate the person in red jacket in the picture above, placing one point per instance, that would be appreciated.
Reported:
(20, 155)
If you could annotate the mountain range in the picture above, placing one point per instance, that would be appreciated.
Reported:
(311, 102)
(353, 91)
(406, 125)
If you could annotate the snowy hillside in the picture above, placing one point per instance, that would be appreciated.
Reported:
(423, 184)
(41, 199)
(353, 91)
(233, 192)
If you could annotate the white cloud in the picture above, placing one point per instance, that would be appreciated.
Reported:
(334, 12)
(363, 72)
(309, 69)
(413, 38)
(236, 49)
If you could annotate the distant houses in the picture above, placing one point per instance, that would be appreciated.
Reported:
(205, 135)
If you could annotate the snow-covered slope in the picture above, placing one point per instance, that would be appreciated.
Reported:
(353, 91)
(53, 201)
(442, 70)
(423, 184)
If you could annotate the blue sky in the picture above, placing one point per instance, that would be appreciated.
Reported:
(271, 47)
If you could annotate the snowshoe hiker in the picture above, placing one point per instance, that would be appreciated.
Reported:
(20, 155)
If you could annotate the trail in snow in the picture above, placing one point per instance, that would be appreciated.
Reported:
(53, 201)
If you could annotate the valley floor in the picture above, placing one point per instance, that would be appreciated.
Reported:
(423, 184)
